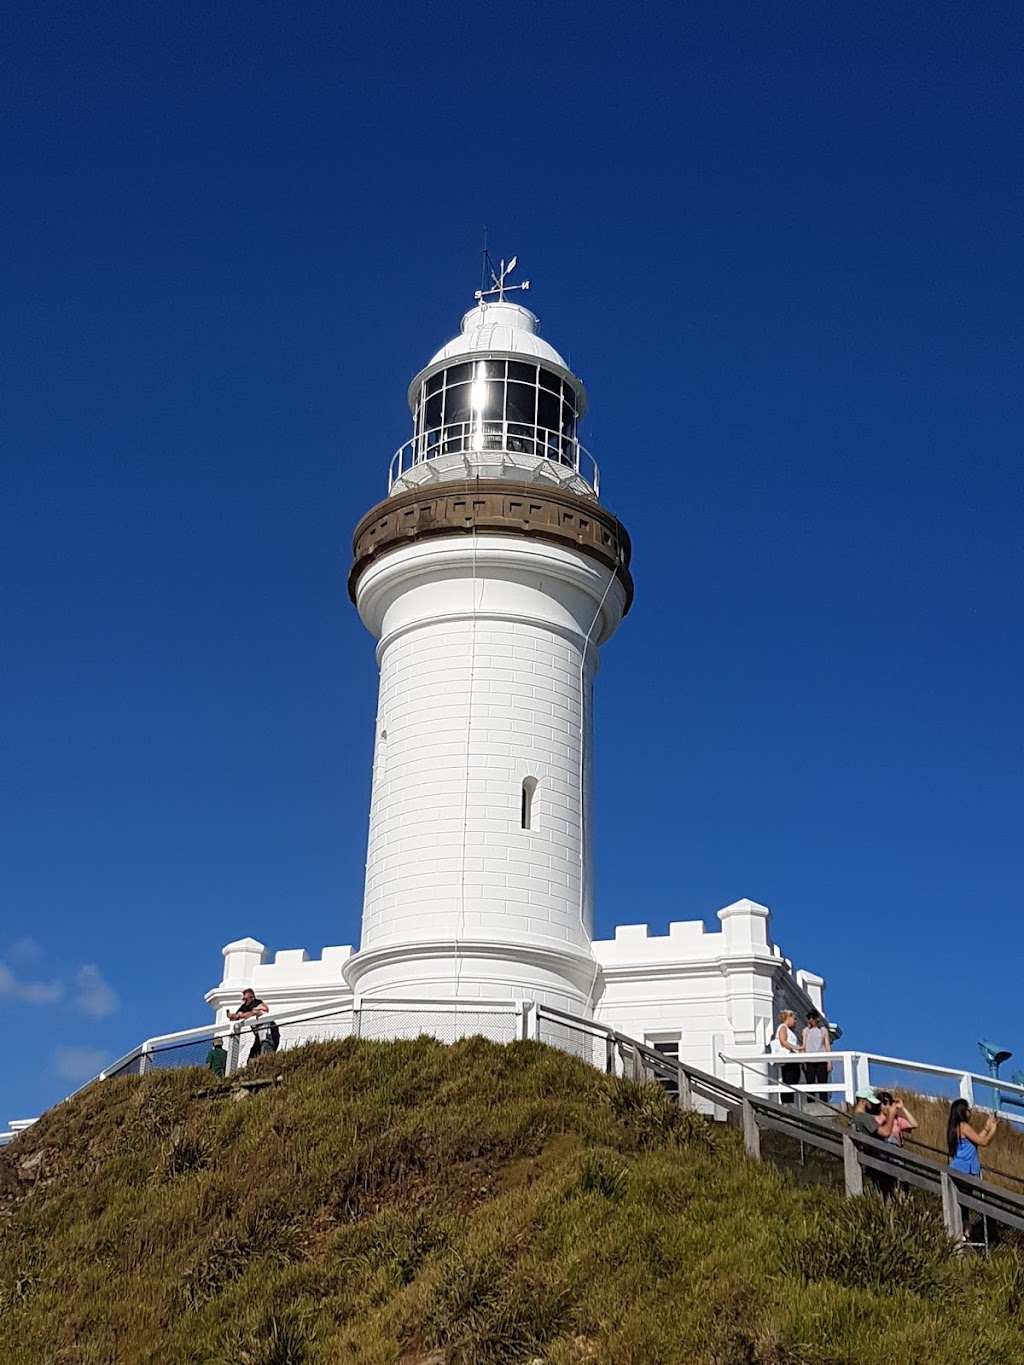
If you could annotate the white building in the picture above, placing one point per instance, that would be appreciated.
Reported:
(490, 576)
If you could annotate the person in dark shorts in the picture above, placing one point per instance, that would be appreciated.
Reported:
(266, 1038)
(817, 1038)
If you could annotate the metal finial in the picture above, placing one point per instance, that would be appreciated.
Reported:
(499, 288)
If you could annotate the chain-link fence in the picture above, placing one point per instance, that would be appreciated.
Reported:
(131, 1066)
(190, 1052)
(446, 1022)
(588, 1044)
(378, 1020)
(325, 1028)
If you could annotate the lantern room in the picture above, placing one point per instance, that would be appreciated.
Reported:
(498, 401)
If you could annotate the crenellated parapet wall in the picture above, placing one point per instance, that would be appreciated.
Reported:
(698, 990)
(701, 991)
(291, 981)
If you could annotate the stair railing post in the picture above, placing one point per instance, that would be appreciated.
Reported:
(145, 1058)
(853, 1172)
(638, 1067)
(234, 1046)
(967, 1088)
(862, 1071)
(683, 1092)
(751, 1132)
(849, 1079)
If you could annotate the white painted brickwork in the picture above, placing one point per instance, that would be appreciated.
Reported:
(469, 712)
(486, 681)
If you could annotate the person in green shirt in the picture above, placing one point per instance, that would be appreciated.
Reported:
(217, 1058)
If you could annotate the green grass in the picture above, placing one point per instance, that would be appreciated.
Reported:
(403, 1203)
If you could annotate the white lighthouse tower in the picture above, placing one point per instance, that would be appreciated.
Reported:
(490, 576)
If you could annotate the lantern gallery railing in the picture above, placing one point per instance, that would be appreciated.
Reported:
(509, 439)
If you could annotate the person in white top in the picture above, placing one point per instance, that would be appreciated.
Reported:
(786, 1043)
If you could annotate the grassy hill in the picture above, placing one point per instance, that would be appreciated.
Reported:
(412, 1204)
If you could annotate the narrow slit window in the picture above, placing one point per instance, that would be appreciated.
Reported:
(529, 788)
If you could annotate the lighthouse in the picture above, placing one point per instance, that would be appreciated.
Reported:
(490, 577)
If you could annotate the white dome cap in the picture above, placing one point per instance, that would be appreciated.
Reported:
(503, 327)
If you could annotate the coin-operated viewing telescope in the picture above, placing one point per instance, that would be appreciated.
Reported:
(994, 1056)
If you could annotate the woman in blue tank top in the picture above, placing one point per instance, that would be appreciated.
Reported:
(963, 1142)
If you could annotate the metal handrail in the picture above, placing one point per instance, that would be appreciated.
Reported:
(497, 436)
(858, 1064)
(234, 1028)
(230, 1028)
(858, 1151)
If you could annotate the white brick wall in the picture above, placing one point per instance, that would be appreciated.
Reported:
(483, 684)
(711, 991)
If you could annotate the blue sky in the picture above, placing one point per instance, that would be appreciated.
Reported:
(781, 246)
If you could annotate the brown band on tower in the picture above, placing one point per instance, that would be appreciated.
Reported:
(493, 507)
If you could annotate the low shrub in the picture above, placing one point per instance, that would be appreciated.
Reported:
(598, 1175)
(866, 1244)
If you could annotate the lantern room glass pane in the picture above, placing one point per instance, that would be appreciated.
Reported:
(522, 438)
(522, 400)
(522, 374)
(548, 414)
(550, 381)
(456, 404)
(488, 398)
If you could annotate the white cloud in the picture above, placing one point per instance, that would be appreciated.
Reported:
(20, 992)
(24, 950)
(93, 996)
(77, 1063)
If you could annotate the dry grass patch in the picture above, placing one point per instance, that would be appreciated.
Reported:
(472, 1205)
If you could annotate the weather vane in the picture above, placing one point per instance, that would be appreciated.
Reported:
(499, 288)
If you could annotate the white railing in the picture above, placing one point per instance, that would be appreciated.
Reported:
(853, 1071)
(169, 1049)
(620, 1055)
(508, 439)
(505, 1020)
(371, 1017)
(15, 1127)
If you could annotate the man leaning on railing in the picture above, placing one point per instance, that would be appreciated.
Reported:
(251, 1006)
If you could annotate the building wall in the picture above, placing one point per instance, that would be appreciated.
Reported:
(710, 992)
(292, 981)
(488, 649)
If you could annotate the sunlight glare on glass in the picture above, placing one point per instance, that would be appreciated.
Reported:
(478, 391)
